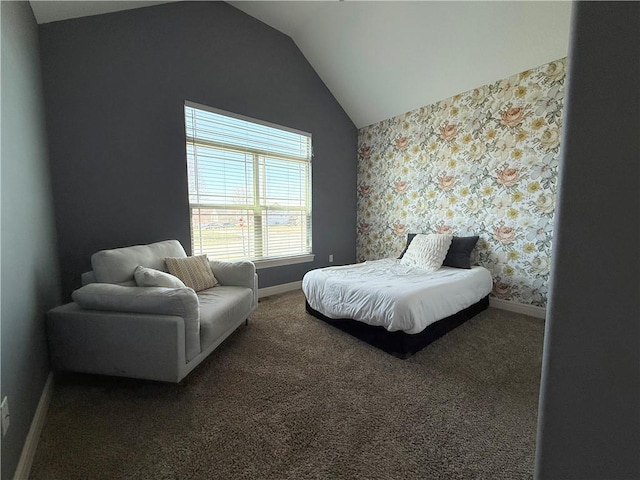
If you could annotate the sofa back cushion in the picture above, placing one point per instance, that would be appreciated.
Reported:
(119, 264)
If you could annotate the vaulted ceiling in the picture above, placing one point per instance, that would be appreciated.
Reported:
(384, 58)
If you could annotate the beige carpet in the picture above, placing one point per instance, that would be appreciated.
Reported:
(289, 397)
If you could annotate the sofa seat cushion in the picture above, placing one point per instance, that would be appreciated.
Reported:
(221, 308)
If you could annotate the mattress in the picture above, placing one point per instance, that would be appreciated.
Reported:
(392, 295)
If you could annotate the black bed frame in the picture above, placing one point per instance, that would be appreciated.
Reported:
(401, 344)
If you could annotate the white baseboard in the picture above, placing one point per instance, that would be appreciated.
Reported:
(31, 443)
(285, 287)
(531, 310)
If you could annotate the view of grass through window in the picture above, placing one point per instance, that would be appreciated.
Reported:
(249, 186)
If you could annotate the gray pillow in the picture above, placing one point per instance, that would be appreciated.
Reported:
(410, 237)
(459, 254)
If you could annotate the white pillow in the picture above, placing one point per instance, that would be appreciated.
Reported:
(427, 251)
(149, 277)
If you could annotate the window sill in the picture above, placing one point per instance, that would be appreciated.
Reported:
(280, 262)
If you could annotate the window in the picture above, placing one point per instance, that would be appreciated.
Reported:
(249, 188)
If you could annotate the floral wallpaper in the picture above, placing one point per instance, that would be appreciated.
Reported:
(484, 163)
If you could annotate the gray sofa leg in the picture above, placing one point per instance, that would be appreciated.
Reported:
(246, 322)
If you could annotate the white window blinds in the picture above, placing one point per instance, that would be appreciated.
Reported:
(249, 186)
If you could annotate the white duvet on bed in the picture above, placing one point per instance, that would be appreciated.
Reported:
(395, 296)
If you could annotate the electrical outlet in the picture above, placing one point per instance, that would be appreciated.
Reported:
(331, 257)
(4, 409)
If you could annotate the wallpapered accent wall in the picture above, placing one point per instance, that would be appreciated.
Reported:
(480, 163)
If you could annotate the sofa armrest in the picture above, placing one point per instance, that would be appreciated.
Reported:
(237, 274)
(138, 345)
(182, 302)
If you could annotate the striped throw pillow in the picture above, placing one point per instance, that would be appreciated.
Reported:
(195, 272)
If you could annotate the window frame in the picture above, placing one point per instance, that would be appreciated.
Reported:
(256, 208)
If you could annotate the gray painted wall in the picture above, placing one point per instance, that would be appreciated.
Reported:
(589, 422)
(29, 279)
(115, 87)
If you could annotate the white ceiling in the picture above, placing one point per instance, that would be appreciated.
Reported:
(383, 58)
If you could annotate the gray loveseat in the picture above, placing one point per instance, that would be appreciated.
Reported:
(154, 333)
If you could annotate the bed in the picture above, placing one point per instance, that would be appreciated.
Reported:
(396, 307)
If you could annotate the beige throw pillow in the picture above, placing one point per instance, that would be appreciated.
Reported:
(150, 277)
(427, 251)
(195, 272)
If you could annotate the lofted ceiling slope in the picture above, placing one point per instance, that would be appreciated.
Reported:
(383, 58)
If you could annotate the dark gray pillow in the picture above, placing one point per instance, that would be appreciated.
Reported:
(459, 254)
(410, 237)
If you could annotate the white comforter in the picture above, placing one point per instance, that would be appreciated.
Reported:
(393, 295)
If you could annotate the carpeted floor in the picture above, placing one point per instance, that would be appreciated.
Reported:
(289, 397)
